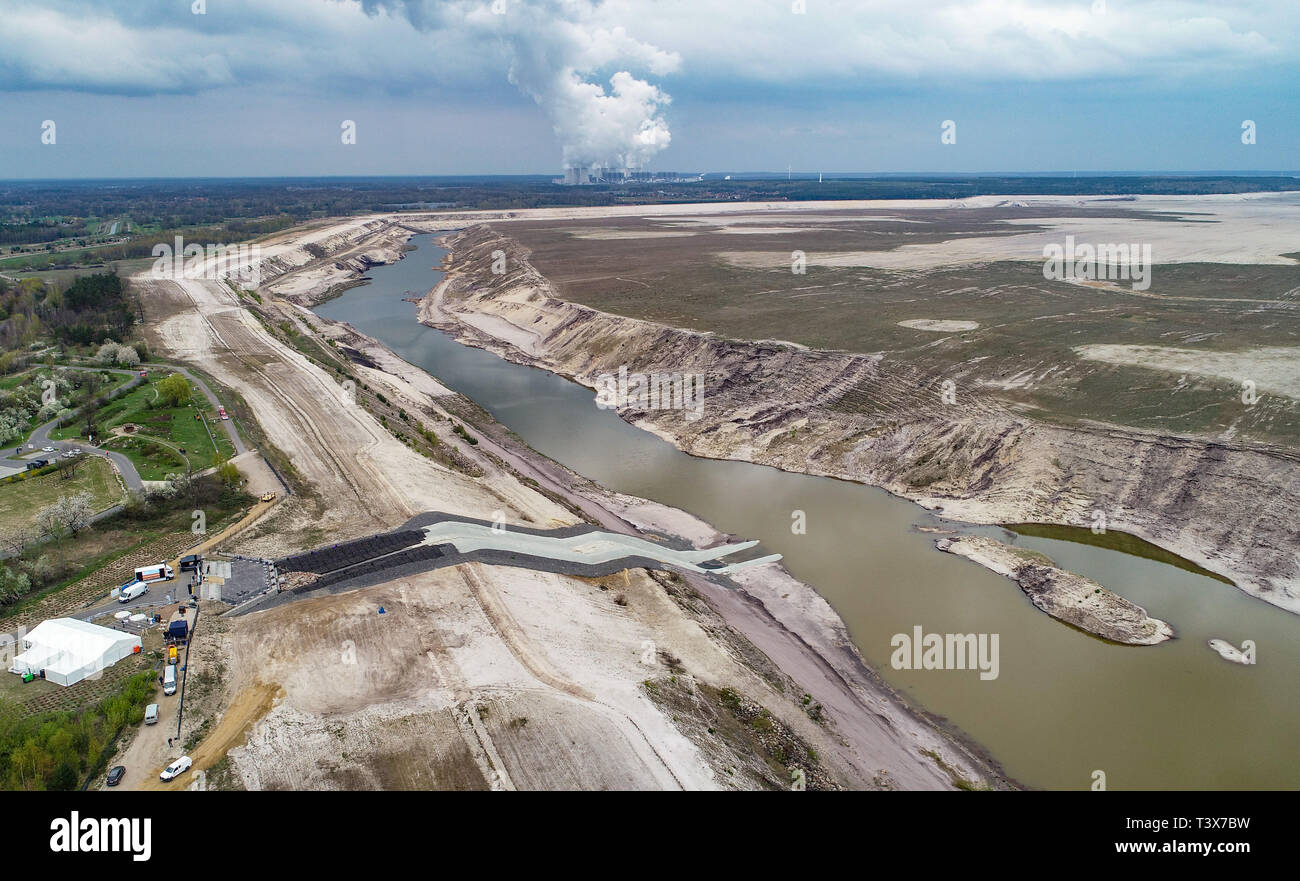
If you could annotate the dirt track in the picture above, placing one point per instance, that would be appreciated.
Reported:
(369, 479)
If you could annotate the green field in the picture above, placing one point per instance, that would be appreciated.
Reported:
(13, 380)
(66, 276)
(20, 500)
(162, 433)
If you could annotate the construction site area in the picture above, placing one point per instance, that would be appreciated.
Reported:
(536, 632)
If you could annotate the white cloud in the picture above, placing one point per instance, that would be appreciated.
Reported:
(837, 40)
(136, 46)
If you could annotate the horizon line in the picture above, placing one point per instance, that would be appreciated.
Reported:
(787, 175)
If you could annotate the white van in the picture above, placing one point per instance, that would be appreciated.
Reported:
(169, 679)
(132, 591)
(176, 768)
(151, 714)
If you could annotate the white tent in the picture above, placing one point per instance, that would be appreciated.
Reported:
(69, 650)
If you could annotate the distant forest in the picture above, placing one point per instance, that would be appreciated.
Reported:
(92, 309)
(250, 207)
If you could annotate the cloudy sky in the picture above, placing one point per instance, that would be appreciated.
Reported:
(262, 87)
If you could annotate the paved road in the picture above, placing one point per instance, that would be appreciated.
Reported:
(158, 590)
(40, 438)
(228, 425)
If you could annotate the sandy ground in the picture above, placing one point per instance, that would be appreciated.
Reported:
(556, 652)
(1282, 205)
(990, 465)
(1274, 369)
(1255, 228)
(148, 751)
(612, 235)
(939, 324)
(372, 480)
(257, 474)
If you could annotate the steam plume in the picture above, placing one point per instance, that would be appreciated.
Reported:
(559, 56)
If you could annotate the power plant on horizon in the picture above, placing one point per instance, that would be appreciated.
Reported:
(586, 175)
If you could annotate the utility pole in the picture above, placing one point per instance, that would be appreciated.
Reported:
(180, 706)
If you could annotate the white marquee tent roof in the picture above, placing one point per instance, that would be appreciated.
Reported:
(69, 650)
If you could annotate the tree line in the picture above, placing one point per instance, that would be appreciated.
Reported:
(56, 751)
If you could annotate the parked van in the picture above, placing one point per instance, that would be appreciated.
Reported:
(132, 591)
(169, 680)
(151, 714)
(156, 572)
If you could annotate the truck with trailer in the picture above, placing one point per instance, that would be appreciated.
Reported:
(156, 572)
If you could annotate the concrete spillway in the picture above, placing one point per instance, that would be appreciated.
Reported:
(590, 548)
(434, 540)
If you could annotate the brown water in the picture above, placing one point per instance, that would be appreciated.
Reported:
(1174, 716)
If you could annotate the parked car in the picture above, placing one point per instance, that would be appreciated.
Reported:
(115, 774)
(176, 768)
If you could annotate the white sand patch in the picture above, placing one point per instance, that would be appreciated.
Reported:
(795, 216)
(774, 212)
(1022, 380)
(768, 230)
(502, 329)
(610, 234)
(939, 324)
(1232, 229)
(1273, 369)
